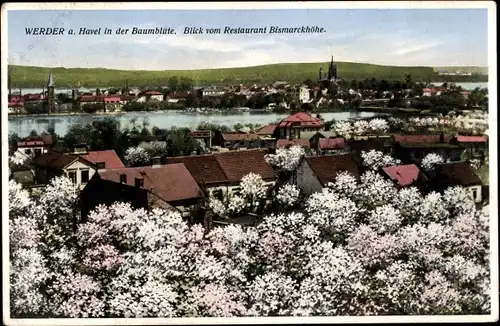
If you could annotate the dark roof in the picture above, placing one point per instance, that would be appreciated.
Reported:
(326, 167)
(109, 157)
(403, 175)
(421, 139)
(331, 143)
(237, 164)
(235, 136)
(57, 160)
(229, 166)
(267, 129)
(41, 140)
(460, 174)
(171, 182)
(369, 144)
(204, 168)
(285, 143)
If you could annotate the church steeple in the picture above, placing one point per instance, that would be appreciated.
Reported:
(50, 82)
(332, 71)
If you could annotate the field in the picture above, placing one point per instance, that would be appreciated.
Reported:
(26, 76)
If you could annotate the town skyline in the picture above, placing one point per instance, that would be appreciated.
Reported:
(425, 37)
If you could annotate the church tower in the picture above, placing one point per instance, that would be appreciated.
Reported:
(51, 105)
(332, 72)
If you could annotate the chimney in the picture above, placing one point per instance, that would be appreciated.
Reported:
(123, 178)
(156, 161)
(139, 182)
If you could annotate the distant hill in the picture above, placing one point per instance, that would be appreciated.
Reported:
(471, 69)
(27, 76)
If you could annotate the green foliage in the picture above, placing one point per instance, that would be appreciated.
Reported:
(27, 76)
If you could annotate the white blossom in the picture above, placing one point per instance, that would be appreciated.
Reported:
(137, 156)
(288, 195)
(286, 159)
(375, 159)
(431, 160)
(344, 128)
(378, 125)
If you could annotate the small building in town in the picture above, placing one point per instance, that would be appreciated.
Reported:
(287, 143)
(170, 187)
(476, 146)
(292, 126)
(219, 174)
(240, 140)
(329, 145)
(54, 163)
(315, 172)
(413, 148)
(35, 145)
(406, 175)
(458, 174)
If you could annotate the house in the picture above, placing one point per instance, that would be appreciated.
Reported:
(220, 173)
(287, 143)
(413, 148)
(458, 174)
(315, 172)
(476, 146)
(164, 186)
(304, 94)
(54, 163)
(240, 140)
(326, 145)
(107, 159)
(203, 135)
(266, 136)
(213, 91)
(382, 144)
(292, 126)
(404, 175)
(155, 96)
(35, 145)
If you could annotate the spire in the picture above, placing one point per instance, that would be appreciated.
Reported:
(332, 71)
(50, 82)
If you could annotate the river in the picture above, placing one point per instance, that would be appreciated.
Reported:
(161, 119)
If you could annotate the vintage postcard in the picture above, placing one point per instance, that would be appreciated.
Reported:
(249, 162)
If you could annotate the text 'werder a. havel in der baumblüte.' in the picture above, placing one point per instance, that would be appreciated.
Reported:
(191, 30)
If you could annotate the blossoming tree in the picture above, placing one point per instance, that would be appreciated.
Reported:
(137, 156)
(358, 248)
(376, 159)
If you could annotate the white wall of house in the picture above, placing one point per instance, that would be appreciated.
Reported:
(306, 180)
(30, 151)
(231, 189)
(158, 97)
(78, 168)
(141, 99)
(475, 193)
(304, 95)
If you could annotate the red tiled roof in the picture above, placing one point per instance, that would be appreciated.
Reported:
(331, 143)
(403, 175)
(267, 130)
(460, 174)
(285, 143)
(201, 133)
(109, 157)
(170, 182)
(16, 104)
(421, 139)
(112, 99)
(204, 168)
(226, 167)
(91, 98)
(301, 119)
(326, 167)
(471, 139)
(154, 93)
(35, 141)
(236, 164)
(178, 95)
(16, 98)
(57, 160)
(239, 136)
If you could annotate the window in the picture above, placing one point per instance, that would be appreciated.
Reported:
(72, 176)
(85, 176)
(236, 191)
(474, 193)
(28, 151)
(217, 194)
